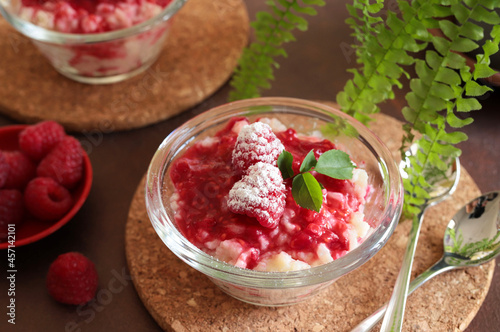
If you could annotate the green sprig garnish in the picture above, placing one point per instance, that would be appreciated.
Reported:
(285, 161)
(306, 190)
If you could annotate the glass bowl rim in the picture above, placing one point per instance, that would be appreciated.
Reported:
(51, 36)
(220, 270)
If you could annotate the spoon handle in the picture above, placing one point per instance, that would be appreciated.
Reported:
(369, 323)
(393, 319)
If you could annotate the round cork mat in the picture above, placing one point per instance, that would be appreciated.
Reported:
(202, 50)
(181, 299)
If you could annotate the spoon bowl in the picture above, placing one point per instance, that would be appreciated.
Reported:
(472, 238)
(473, 235)
(443, 183)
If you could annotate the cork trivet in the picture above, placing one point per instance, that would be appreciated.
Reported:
(203, 48)
(181, 299)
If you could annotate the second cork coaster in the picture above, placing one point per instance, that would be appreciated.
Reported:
(182, 299)
(203, 48)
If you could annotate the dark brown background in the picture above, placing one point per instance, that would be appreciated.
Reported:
(315, 69)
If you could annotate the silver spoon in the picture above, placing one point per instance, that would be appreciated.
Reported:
(471, 238)
(442, 184)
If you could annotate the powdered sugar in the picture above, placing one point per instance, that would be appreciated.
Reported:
(256, 143)
(259, 194)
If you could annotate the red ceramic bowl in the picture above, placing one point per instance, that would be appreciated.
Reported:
(33, 230)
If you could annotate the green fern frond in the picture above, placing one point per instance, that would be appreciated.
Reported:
(444, 83)
(272, 29)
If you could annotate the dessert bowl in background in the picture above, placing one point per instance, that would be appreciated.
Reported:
(382, 208)
(100, 48)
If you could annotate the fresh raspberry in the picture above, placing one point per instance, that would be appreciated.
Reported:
(256, 143)
(72, 279)
(37, 140)
(11, 209)
(259, 194)
(21, 170)
(46, 199)
(4, 169)
(64, 163)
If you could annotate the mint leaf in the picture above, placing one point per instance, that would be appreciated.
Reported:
(335, 164)
(308, 162)
(306, 192)
(285, 161)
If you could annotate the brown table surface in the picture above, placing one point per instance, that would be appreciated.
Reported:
(315, 69)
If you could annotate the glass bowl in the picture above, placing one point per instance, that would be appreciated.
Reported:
(98, 58)
(382, 209)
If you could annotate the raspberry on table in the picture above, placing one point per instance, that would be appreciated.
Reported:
(38, 139)
(21, 170)
(46, 199)
(72, 279)
(4, 169)
(11, 209)
(64, 163)
(256, 143)
(259, 194)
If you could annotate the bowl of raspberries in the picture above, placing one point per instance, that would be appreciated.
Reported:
(45, 177)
